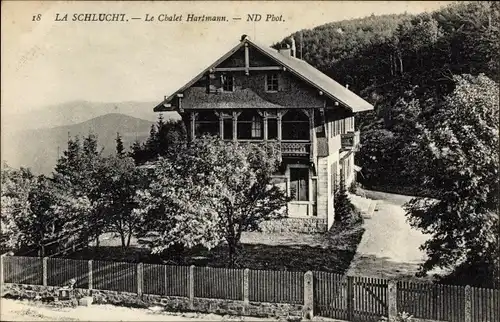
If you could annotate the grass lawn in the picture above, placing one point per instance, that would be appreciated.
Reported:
(330, 252)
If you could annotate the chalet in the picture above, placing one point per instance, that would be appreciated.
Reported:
(255, 93)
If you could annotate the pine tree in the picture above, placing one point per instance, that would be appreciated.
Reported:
(342, 203)
(77, 177)
(120, 150)
(90, 147)
(69, 162)
(163, 137)
(161, 121)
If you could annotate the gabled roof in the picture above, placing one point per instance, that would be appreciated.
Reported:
(297, 67)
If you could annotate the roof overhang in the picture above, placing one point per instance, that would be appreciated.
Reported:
(166, 105)
(168, 99)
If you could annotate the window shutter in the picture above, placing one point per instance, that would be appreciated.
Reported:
(283, 83)
(214, 83)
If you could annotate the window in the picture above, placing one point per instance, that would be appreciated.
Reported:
(349, 167)
(206, 123)
(227, 83)
(272, 129)
(295, 126)
(334, 178)
(346, 168)
(249, 125)
(256, 127)
(212, 83)
(272, 82)
(299, 184)
(228, 129)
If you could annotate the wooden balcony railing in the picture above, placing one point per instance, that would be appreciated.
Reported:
(287, 148)
(350, 140)
(290, 148)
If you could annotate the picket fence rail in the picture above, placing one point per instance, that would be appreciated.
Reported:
(351, 298)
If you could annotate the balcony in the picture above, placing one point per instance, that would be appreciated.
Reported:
(350, 140)
(286, 148)
(295, 148)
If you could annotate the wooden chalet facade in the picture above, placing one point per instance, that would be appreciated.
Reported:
(255, 93)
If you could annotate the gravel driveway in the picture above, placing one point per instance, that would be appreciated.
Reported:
(390, 246)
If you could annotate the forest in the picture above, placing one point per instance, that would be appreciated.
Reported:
(404, 65)
(433, 80)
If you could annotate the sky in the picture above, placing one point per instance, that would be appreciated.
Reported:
(48, 62)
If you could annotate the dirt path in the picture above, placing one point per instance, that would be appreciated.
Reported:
(15, 310)
(390, 246)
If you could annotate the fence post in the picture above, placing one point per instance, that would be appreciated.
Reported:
(2, 271)
(246, 284)
(468, 304)
(191, 287)
(90, 278)
(140, 275)
(44, 271)
(308, 309)
(165, 284)
(392, 292)
(350, 298)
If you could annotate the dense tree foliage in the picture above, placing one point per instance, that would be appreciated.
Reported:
(16, 210)
(88, 195)
(77, 176)
(459, 160)
(432, 131)
(209, 192)
(404, 65)
(28, 216)
(119, 181)
(163, 136)
(97, 192)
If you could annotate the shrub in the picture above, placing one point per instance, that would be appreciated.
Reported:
(353, 187)
(345, 212)
(401, 317)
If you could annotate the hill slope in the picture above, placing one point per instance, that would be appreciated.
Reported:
(404, 65)
(75, 112)
(39, 148)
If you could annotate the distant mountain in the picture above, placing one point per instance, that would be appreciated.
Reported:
(39, 148)
(75, 112)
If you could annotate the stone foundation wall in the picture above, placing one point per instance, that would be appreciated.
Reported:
(296, 225)
(169, 303)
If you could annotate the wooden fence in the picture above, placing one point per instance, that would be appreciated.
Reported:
(349, 298)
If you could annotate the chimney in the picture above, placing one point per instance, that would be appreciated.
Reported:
(293, 49)
(285, 51)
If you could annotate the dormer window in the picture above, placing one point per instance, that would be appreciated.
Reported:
(272, 82)
(227, 83)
